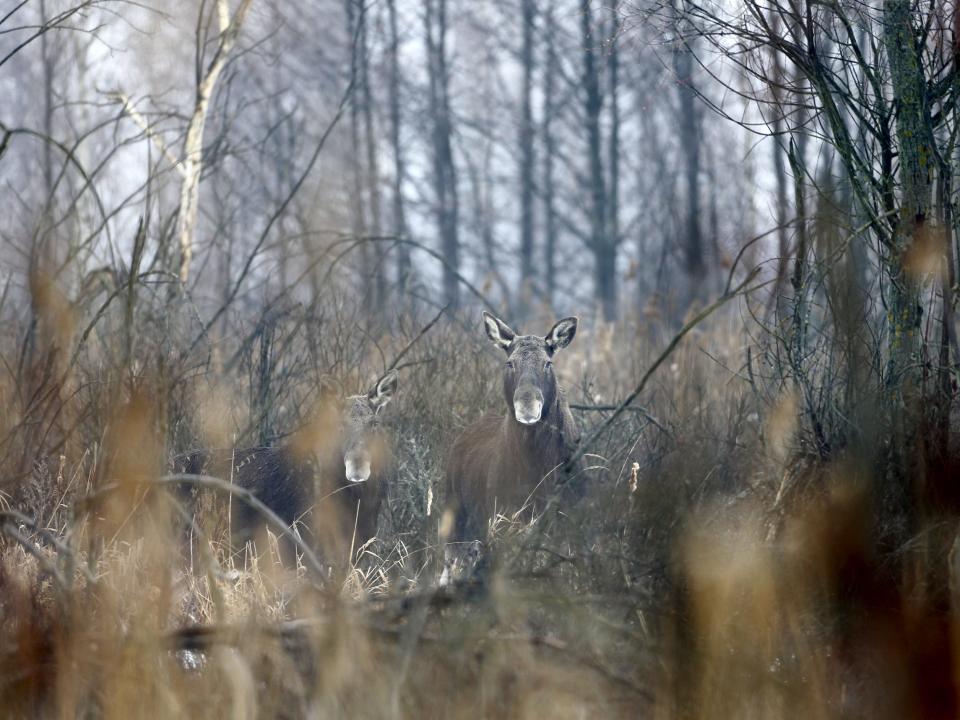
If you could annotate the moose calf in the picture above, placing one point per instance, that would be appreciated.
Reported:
(331, 479)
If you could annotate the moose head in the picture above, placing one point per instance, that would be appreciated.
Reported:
(529, 384)
(356, 426)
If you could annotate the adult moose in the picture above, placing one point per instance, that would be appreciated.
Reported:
(331, 479)
(509, 461)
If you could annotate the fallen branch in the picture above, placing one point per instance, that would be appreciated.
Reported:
(202, 638)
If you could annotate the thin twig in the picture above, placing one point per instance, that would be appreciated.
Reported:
(14, 517)
(424, 331)
(636, 409)
(27, 544)
(126, 106)
(277, 214)
(682, 333)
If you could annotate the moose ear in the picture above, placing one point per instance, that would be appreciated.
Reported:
(498, 331)
(383, 391)
(561, 334)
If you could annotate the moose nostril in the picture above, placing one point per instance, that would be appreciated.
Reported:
(528, 396)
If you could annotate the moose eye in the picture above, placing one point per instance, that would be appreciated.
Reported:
(509, 364)
(547, 366)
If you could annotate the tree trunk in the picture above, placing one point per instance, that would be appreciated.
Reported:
(358, 225)
(915, 145)
(781, 137)
(605, 278)
(613, 141)
(399, 171)
(947, 281)
(782, 209)
(49, 71)
(374, 227)
(527, 156)
(663, 182)
(444, 168)
(690, 144)
(915, 157)
(715, 250)
(549, 150)
(605, 289)
(193, 144)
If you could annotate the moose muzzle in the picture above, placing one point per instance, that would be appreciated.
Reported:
(357, 466)
(527, 405)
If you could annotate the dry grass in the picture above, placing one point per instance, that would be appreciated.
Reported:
(711, 569)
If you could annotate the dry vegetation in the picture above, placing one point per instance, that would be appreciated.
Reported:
(714, 567)
(765, 506)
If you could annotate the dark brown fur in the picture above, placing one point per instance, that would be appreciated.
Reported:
(307, 483)
(329, 512)
(498, 465)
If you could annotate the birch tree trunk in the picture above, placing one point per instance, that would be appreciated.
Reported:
(192, 163)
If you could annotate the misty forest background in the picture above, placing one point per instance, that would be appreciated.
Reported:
(212, 209)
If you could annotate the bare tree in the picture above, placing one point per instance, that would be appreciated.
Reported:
(373, 226)
(192, 161)
(355, 16)
(399, 168)
(602, 246)
(843, 65)
(527, 154)
(550, 108)
(688, 127)
(914, 133)
(613, 141)
(444, 168)
(49, 63)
